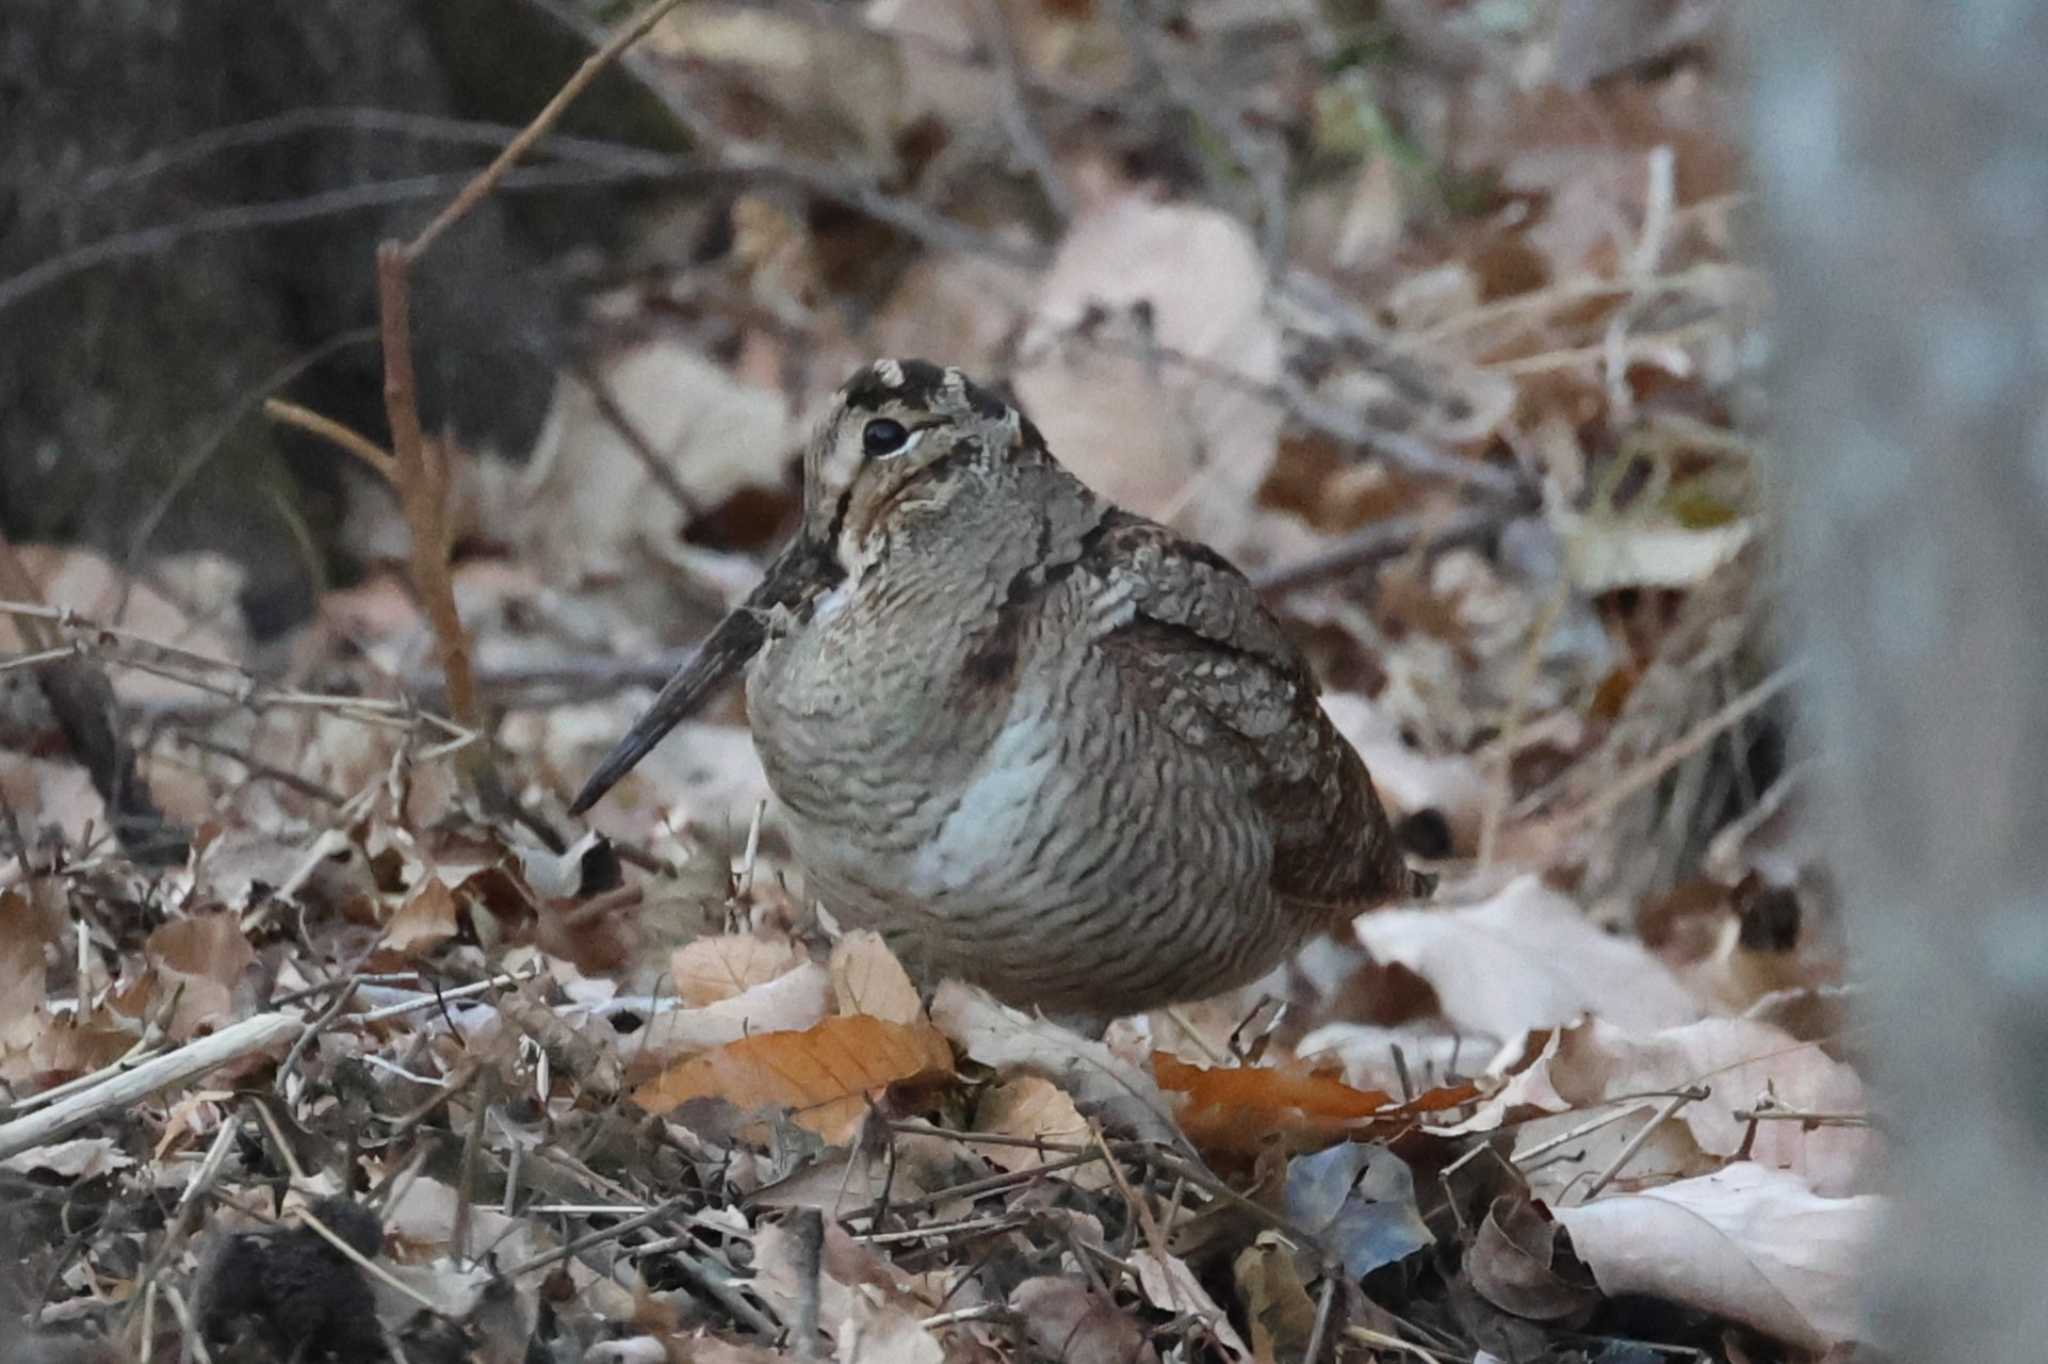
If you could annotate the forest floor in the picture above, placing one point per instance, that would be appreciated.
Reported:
(1438, 321)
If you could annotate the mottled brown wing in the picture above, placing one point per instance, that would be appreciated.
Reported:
(1199, 644)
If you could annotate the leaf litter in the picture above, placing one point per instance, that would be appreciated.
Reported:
(1467, 366)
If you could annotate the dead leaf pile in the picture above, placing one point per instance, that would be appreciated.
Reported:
(1437, 323)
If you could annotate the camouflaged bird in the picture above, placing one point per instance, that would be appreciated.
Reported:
(1041, 743)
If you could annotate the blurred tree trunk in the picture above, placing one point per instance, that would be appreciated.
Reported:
(1901, 153)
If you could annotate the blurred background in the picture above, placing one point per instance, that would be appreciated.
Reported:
(1432, 314)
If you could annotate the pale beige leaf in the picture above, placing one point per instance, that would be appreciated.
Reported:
(79, 1158)
(206, 962)
(1170, 1286)
(877, 1332)
(1739, 1063)
(998, 1035)
(1033, 1108)
(867, 979)
(588, 510)
(795, 999)
(1071, 1323)
(1749, 1243)
(1605, 556)
(1164, 435)
(1526, 959)
(425, 921)
(727, 965)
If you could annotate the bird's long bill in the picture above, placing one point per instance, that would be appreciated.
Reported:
(794, 577)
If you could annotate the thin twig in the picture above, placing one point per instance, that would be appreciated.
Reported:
(1015, 108)
(477, 189)
(257, 768)
(120, 1091)
(1390, 539)
(1615, 793)
(335, 434)
(1664, 1114)
(637, 444)
(1324, 1302)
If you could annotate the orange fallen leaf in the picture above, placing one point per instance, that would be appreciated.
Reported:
(726, 965)
(1234, 1108)
(822, 1074)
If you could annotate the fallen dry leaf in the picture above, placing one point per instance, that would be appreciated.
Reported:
(1169, 1285)
(427, 919)
(999, 1036)
(884, 1333)
(867, 979)
(1035, 1109)
(79, 1158)
(728, 964)
(1527, 959)
(1278, 1304)
(1514, 1263)
(589, 510)
(1241, 1108)
(1071, 1323)
(204, 961)
(821, 1075)
(1607, 555)
(1737, 1061)
(22, 938)
(1360, 1200)
(1158, 436)
(1752, 1244)
(790, 1002)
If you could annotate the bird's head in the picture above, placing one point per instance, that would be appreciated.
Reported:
(902, 439)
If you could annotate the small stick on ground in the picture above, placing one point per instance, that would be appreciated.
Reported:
(188, 1062)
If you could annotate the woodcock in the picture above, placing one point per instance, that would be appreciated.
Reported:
(1041, 743)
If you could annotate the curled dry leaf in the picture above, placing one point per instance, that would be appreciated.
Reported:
(867, 979)
(1751, 1244)
(727, 965)
(1737, 1061)
(792, 1001)
(1360, 1200)
(427, 919)
(999, 1036)
(1034, 1108)
(1281, 1312)
(1069, 1322)
(822, 1075)
(1515, 1264)
(1169, 1285)
(1527, 959)
(203, 960)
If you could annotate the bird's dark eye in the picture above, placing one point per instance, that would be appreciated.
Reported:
(883, 436)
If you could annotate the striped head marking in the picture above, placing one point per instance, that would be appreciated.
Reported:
(902, 438)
